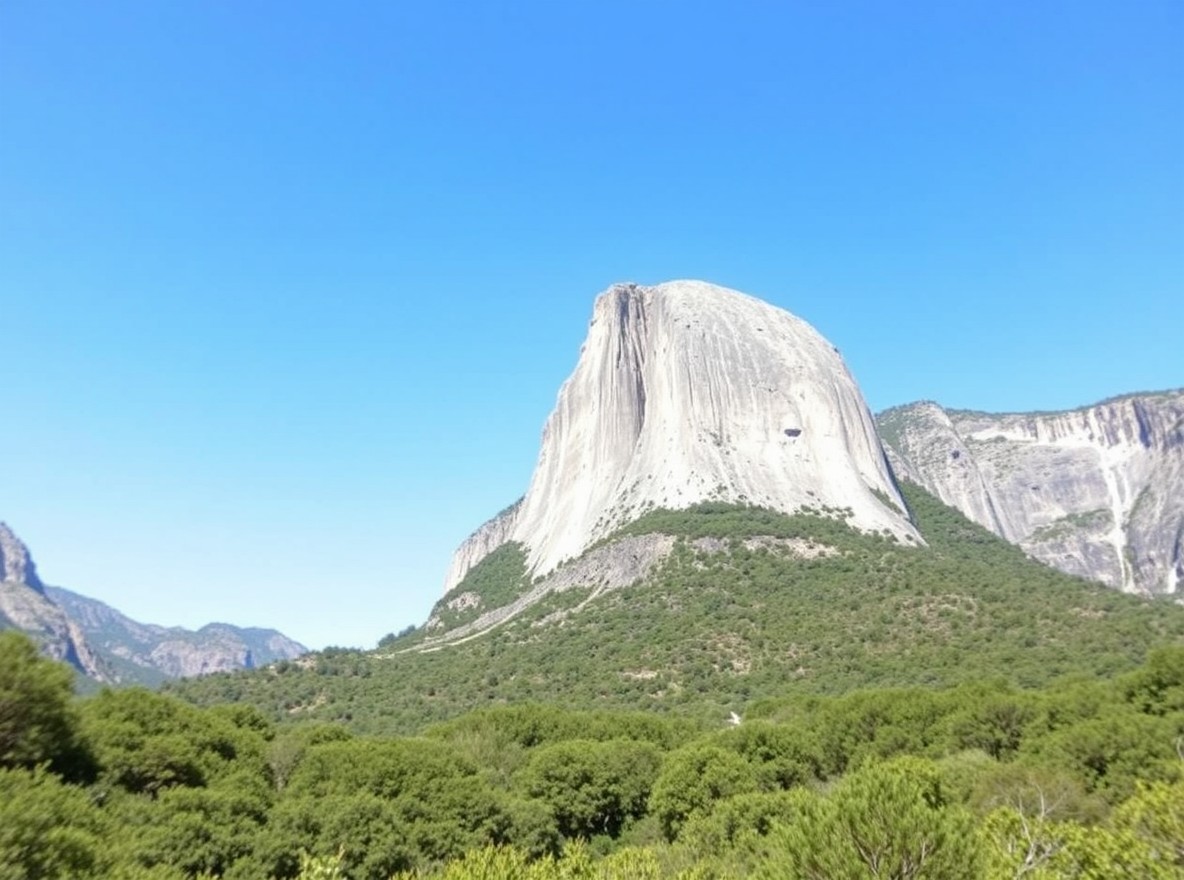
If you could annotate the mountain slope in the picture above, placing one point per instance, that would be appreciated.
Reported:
(749, 604)
(688, 392)
(24, 605)
(1097, 491)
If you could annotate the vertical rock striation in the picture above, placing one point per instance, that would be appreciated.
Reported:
(687, 392)
(1097, 491)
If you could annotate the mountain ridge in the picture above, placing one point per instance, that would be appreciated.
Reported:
(603, 591)
(108, 647)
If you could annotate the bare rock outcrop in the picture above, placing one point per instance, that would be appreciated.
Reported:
(31, 611)
(1096, 492)
(688, 392)
(16, 564)
(24, 605)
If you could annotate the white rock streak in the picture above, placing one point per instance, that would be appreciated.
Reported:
(687, 392)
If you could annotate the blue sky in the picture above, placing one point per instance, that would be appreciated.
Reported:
(287, 289)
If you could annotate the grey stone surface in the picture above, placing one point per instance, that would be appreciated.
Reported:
(144, 651)
(687, 392)
(16, 565)
(1096, 491)
(31, 611)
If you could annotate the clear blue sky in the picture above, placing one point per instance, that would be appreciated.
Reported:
(287, 289)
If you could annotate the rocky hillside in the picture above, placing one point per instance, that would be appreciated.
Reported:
(145, 652)
(16, 565)
(108, 647)
(1096, 491)
(685, 393)
(24, 605)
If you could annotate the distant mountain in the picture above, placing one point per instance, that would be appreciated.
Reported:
(111, 648)
(146, 653)
(1097, 491)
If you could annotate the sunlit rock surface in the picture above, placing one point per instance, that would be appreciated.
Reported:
(687, 392)
(1097, 491)
(24, 605)
(145, 652)
(16, 565)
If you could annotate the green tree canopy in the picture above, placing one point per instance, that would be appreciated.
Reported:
(37, 720)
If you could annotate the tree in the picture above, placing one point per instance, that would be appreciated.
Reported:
(37, 720)
(1156, 815)
(692, 780)
(591, 787)
(147, 742)
(48, 829)
(887, 820)
(1099, 853)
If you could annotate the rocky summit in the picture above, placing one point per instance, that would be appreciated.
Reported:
(1095, 491)
(688, 392)
(24, 605)
(16, 565)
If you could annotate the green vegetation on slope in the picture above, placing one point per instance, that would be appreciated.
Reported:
(496, 580)
(713, 632)
(717, 519)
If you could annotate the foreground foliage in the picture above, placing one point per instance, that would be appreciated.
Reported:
(983, 780)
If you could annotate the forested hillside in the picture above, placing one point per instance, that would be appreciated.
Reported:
(769, 605)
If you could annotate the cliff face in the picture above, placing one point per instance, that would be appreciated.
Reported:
(1097, 491)
(481, 543)
(688, 392)
(31, 611)
(24, 605)
(16, 565)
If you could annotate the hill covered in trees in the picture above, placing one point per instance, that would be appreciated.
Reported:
(749, 605)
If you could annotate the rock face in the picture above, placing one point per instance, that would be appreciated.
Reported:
(16, 565)
(688, 392)
(31, 611)
(1097, 491)
(24, 605)
(108, 647)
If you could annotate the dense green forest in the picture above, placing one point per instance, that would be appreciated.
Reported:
(713, 631)
(981, 780)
